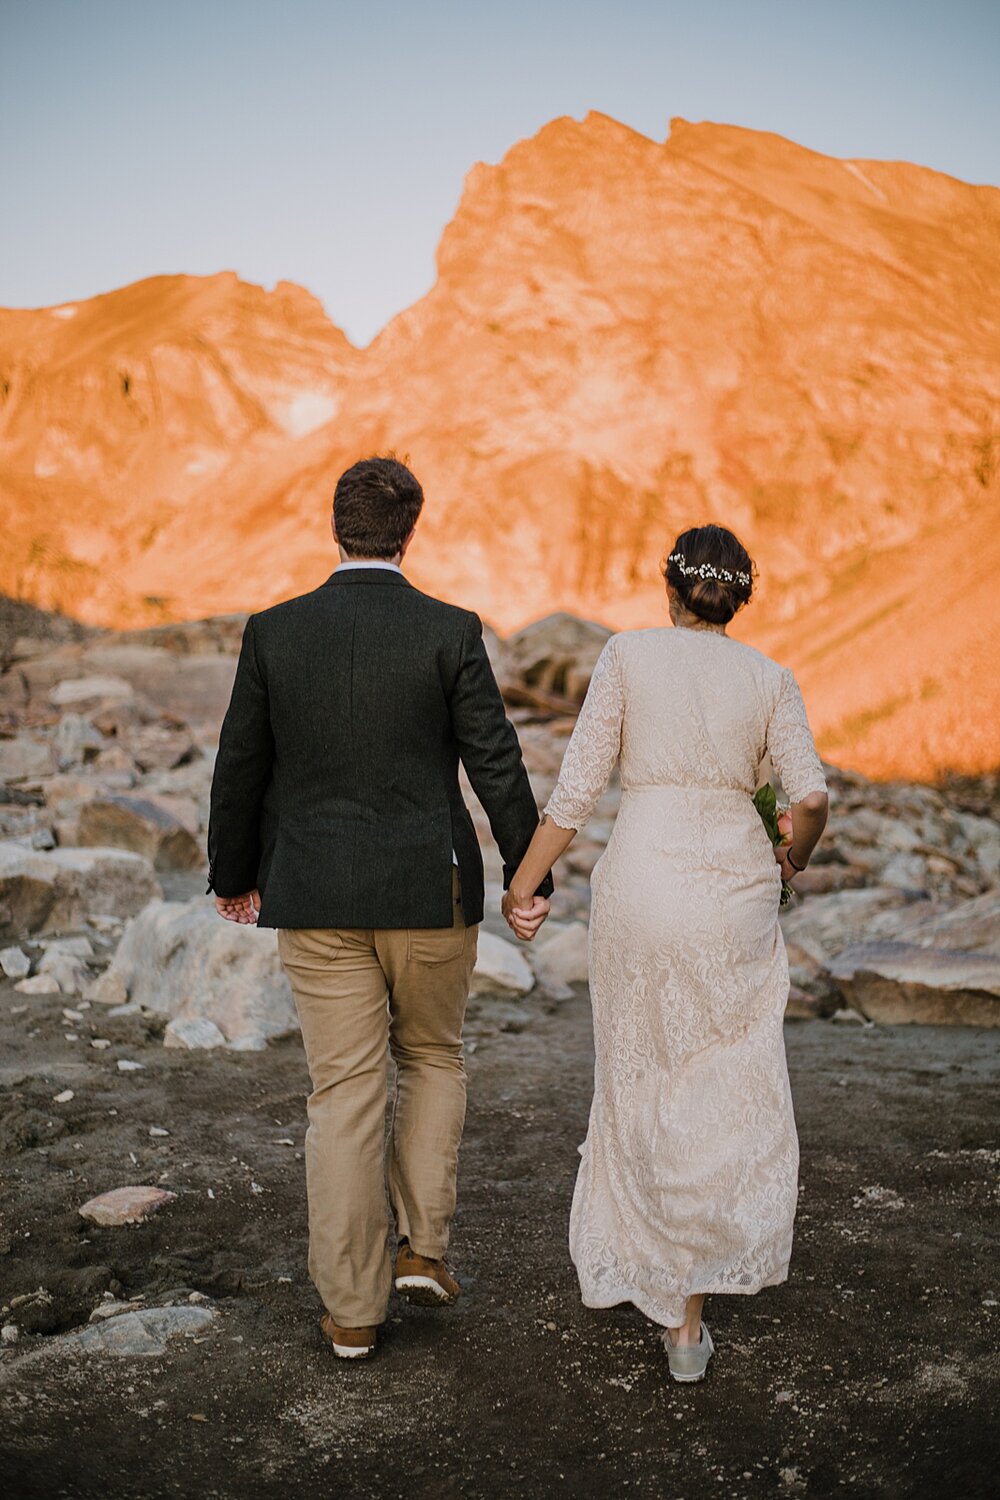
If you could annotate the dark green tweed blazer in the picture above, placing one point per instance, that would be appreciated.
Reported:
(336, 790)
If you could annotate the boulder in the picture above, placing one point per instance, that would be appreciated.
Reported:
(983, 839)
(79, 692)
(198, 1034)
(500, 966)
(973, 926)
(76, 741)
(826, 924)
(178, 958)
(561, 959)
(25, 758)
(556, 655)
(56, 890)
(801, 1006)
(160, 747)
(895, 982)
(146, 825)
(125, 1205)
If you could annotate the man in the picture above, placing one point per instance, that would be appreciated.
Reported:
(337, 818)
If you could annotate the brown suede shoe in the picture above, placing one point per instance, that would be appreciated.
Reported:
(348, 1343)
(425, 1283)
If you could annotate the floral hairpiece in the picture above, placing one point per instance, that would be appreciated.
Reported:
(708, 570)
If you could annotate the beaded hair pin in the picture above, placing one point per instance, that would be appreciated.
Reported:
(708, 570)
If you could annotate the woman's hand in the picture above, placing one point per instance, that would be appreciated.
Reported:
(788, 871)
(524, 915)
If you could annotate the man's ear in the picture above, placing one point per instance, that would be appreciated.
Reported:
(333, 531)
(409, 539)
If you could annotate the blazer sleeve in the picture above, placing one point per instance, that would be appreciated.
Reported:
(491, 754)
(242, 774)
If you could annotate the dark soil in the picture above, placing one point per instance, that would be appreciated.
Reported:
(872, 1372)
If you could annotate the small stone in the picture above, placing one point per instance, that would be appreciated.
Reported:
(196, 1033)
(158, 1130)
(126, 1065)
(125, 1205)
(38, 984)
(251, 1041)
(63, 1098)
(783, 1396)
(10, 1333)
(100, 1043)
(108, 989)
(72, 1015)
(15, 963)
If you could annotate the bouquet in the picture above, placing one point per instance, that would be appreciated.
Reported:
(778, 822)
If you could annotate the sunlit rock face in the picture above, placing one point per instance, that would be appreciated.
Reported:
(625, 337)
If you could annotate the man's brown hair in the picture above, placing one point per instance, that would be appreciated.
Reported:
(375, 507)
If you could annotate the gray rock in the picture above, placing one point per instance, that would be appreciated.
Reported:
(64, 959)
(826, 924)
(196, 1033)
(146, 825)
(77, 691)
(894, 983)
(561, 960)
(500, 966)
(145, 1331)
(15, 963)
(76, 740)
(25, 758)
(180, 959)
(556, 655)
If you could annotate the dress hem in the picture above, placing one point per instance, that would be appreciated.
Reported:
(654, 1310)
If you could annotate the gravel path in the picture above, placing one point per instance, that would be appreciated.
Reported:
(873, 1372)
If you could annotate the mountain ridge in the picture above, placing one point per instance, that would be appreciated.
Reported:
(624, 337)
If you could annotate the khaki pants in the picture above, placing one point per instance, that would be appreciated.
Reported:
(357, 991)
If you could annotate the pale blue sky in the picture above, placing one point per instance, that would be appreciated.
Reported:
(325, 141)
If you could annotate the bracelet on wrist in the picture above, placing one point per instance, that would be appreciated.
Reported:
(797, 868)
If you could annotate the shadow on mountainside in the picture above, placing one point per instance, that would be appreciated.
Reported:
(872, 1372)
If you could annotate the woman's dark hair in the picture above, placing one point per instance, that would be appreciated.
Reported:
(712, 572)
(375, 507)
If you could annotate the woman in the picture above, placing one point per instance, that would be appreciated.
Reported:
(687, 1183)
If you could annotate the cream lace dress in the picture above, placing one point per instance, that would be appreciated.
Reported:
(688, 1178)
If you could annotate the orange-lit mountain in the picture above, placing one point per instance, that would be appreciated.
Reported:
(625, 337)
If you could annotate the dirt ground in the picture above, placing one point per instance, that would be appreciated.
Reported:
(872, 1372)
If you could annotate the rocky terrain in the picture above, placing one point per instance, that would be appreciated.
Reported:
(154, 1304)
(625, 337)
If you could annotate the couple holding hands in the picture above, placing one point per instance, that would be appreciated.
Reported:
(338, 819)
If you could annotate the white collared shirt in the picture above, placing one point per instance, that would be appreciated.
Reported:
(376, 562)
(391, 567)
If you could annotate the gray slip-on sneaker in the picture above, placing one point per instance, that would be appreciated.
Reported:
(689, 1361)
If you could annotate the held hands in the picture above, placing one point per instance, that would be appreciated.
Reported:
(524, 915)
(242, 909)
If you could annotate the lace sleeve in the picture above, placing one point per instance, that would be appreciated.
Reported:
(790, 741)
(594, 745)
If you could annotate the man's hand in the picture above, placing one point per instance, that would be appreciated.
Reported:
(242, 909)
(524, 916)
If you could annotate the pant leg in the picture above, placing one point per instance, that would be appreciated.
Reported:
(341, 998)
(429, 971)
